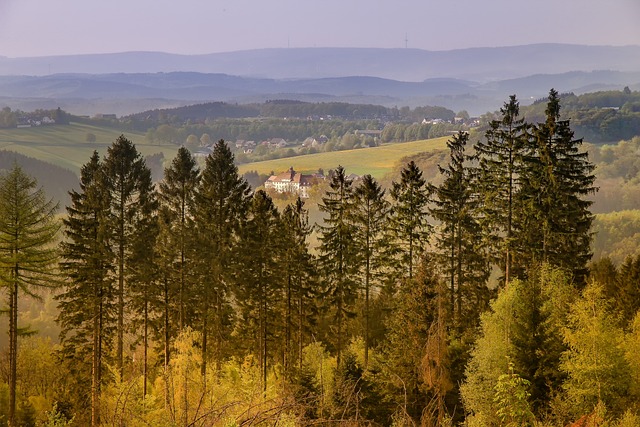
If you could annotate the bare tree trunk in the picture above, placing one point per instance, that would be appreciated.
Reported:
(13, 347)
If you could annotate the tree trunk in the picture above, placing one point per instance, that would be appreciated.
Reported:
(13, 347)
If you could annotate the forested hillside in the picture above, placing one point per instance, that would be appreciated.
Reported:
(467, 297)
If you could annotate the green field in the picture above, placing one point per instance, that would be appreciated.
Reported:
(66, 146)
(377, 161)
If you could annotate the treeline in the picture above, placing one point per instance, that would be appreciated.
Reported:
(284, 108)
(605, 116)
(200, 303)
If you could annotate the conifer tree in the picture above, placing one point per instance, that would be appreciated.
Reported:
(144, 294)
(338, 252)
(259, 290)
(87, 304)
(298, 267)
(412, 323)
(127, 181)
(500, 164)
(455, 206)
(371, 213)
(176, 248)
(409, 217)
(557, 178)
(28, 228)
(221, 203)
(626, 297)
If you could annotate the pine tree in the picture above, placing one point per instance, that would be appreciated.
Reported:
(338, 253)
(222, 200)
(87, 306)
(500, 164)
(459, 243)
(409, 217)
(371, 213)
(28, 229)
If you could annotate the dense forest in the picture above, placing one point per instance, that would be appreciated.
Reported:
(468, 300)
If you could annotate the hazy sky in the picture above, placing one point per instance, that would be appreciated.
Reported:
(41, 27)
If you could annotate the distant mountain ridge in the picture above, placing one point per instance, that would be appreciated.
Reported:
(477, 80)
(131, 93)
(478, 64)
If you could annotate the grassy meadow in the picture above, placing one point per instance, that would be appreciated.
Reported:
(66, 146)
(377, 161)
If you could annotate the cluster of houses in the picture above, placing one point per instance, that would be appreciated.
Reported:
(247, 147)
(27, 122)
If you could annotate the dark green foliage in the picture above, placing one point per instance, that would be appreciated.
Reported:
(128, 182)
(338, 253)
(415, 309)
(88, 313)
(176, 249)
(371, 214)
(221, 204)
(626, 298)
(537, 342)
(355, 394)
(300, 281)
(409, 223)
(259, 289)
(500, 162)
(555, 219)
(459, 241)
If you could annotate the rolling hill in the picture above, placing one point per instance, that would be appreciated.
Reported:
(476, 80)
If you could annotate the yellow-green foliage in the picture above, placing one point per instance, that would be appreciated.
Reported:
(376, 161)
(616, 235)
(229, 395)
(595, 360)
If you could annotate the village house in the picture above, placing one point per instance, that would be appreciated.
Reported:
(292, 182)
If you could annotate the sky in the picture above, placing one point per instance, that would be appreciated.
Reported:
(64, 27)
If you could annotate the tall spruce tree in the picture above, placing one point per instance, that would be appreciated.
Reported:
(87, 303)
(28, 228)
(409, 221)
(176, 245)
(460, 251)
(371, 213)
(127, 181)
(338, 252)
(557, 179)
(298, 268)
(259, 291)
(222, 200)
(145, 293)
(500, 164)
